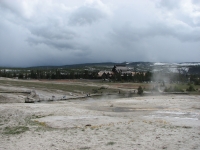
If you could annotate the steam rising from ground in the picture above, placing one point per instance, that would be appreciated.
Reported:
(162, 77)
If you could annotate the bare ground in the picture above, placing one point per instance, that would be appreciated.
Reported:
(148, 122)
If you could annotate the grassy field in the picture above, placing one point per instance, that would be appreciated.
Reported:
(70, 86)
(91, 86)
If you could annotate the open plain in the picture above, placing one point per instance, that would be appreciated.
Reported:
(71, 115)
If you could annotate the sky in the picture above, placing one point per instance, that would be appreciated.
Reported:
(62, 32)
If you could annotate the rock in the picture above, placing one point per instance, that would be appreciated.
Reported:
(33, 97)
(164, 147)
(88, 125)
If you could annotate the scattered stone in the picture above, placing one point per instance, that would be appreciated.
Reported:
(187, 127)
(88, 125)
(164, 147)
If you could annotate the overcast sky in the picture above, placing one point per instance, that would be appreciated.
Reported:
(61, 32)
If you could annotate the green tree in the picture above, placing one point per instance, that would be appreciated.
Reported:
(72, 75)
(20, 76)
(148, 76)
(58, 74)
(33, 74)
(140, 90)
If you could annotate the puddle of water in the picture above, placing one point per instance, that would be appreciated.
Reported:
(122, 109)
(170, 112)
(178, 118)
(110, 97)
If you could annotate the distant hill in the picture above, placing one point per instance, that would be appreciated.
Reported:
(103, 64)
(186, 67)
(76, 65)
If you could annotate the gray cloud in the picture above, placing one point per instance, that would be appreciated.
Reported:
(85, 15)
(127, 34)
(63, 32)
(56, 33)
(184, 34)
(59, 38)
(196, 1)
(169, 4)
(60, 44)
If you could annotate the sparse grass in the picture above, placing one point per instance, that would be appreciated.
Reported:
(110, 143)
(175, 127)
(102, 87)
(39, 125)
(184, 87)
(84, 148)
(173, 89)
(42, 124)
(50, 86)
(44, 128)
(36, 116)
(190, 88)
(90, 86)
(15, 130)
(70, 87)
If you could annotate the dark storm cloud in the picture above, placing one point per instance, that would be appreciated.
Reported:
(59, 38)
(130, 34)
(65, 32)
(180, 32)
(11, 6)
(126, 35)
(60, 44)
(54, 32)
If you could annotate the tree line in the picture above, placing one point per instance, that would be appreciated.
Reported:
(86, 74)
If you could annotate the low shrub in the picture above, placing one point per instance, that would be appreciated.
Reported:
(110, 143)
(15, 130)
(173, 89)
(140, 90)
(190, 88)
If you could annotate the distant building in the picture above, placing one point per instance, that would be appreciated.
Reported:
(122, 69)
(105, 73)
